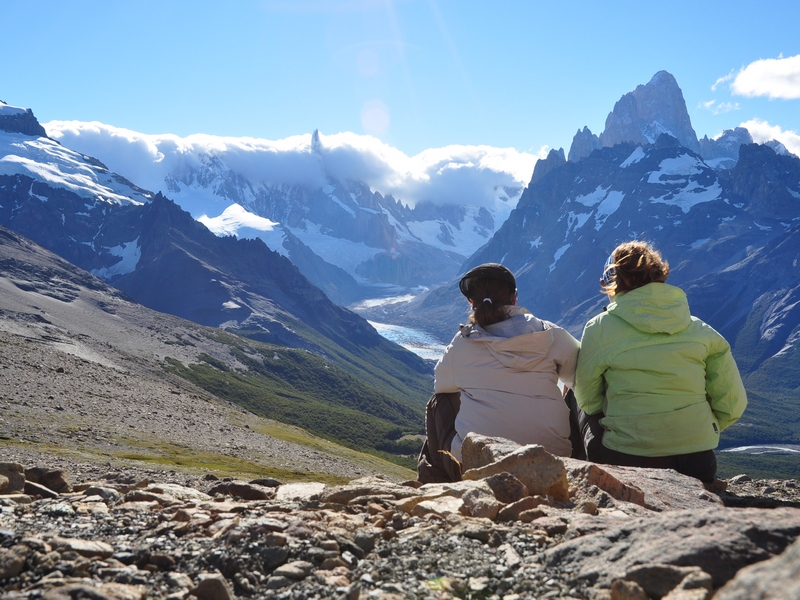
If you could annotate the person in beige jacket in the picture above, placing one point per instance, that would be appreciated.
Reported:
(506, 364)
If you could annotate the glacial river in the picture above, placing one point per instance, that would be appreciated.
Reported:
(766, 449)
(417, 341)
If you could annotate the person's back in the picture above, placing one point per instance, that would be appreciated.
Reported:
(506, 365)
(662, 383)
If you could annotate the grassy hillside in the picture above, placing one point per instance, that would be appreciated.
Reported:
(301, 388)
(758, 466)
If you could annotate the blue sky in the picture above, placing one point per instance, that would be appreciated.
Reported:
(416, 74)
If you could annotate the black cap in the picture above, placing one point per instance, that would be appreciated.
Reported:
(488, 271)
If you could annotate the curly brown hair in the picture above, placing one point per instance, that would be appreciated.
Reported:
(633, 265)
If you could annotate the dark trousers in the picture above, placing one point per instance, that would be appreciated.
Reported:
(435, 463)
(700, 465)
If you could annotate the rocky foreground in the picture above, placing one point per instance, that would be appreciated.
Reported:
(523, 524)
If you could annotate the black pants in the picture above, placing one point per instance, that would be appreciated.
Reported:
(435, 463)
(700, 465)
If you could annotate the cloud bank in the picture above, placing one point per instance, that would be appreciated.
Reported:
(772, 77)
(454, 174)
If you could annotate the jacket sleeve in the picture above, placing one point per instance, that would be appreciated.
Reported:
(565, 356)
(444, 380)
(589, 383)
(724, 387)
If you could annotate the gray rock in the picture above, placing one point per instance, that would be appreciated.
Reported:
(654, 489)
(110, 495)
(773, 579)
(684, 538)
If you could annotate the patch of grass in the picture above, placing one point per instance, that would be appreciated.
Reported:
(173, 456)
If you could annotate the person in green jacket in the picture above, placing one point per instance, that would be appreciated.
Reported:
(655, 386)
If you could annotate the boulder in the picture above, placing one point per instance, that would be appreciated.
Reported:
(653, 489)
(718, 540)
(300, 492)
(476, 499)
(777, 577)
(15, 475)
(243, 490)
(35, 489)
(540, 472)
(481, 450)
(54, 479)
(366, 486)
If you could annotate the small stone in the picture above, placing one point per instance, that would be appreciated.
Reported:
(296, 570)
(213, 587)
(627, 590)
(178, 580)
(481, 450)
(12, 561)
(507, 488)
(87, 548)
(277, 582)
(740, 479)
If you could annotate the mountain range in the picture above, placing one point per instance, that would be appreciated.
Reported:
(731, 236)
(723, 211)
(309, 198)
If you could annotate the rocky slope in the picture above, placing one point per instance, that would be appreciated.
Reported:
(523, 524)
(82, 371)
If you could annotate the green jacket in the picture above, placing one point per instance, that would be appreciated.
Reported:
(665, 380)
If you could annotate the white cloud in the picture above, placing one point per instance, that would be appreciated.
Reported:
(762, 132)
(721, 80)
(773, 77)
(454, 174)
(721, 108)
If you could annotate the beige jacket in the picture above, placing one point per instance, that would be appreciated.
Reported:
(508, 377)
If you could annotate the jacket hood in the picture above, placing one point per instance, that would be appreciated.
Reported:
(653, 308)
(518, 343)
